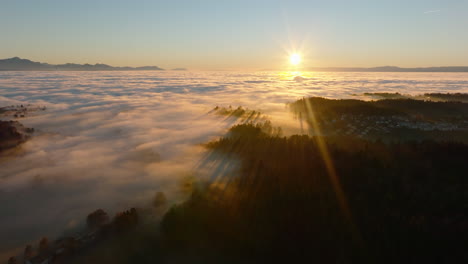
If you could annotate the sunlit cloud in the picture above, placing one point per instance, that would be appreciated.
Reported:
(111, 140)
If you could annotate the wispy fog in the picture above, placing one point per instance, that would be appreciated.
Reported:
(111, 140)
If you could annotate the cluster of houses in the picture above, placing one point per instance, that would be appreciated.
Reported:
(61, 250)
(56, 252)
(20, 111)
(361, 125)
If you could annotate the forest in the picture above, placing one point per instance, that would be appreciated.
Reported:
(330, 108)
(314, 199)
(390, 120)
(351, 201)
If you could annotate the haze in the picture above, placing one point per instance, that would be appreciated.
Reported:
(237, 34)
(245, 131)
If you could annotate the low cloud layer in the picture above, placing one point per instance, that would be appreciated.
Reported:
(113, 139)
(432, 11)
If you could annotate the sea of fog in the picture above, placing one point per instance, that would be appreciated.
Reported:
(111, 140)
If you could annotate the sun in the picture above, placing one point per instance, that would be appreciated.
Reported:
(295, 59)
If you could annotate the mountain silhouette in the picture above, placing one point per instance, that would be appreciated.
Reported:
(18, 64)
(393, 69)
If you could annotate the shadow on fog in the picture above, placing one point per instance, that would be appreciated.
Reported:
(220, 162)
(282, 204)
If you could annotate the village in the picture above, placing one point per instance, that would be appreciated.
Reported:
(363, 125)
(20, 111)
(98, 227)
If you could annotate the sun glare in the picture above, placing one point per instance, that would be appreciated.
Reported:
(295, 59)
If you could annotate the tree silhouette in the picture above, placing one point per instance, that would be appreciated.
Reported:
(28, 252)
(43, 245)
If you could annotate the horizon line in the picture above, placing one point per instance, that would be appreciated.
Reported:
(304, 68)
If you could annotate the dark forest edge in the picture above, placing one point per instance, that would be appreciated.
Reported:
(13, 134)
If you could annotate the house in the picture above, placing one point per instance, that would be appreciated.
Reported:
(40, 259)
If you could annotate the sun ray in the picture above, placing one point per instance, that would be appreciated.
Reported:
(327, 160)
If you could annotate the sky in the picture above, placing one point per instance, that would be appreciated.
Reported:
(241, 34)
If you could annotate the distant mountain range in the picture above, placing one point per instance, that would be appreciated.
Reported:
(18, 64)
(393, 69)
